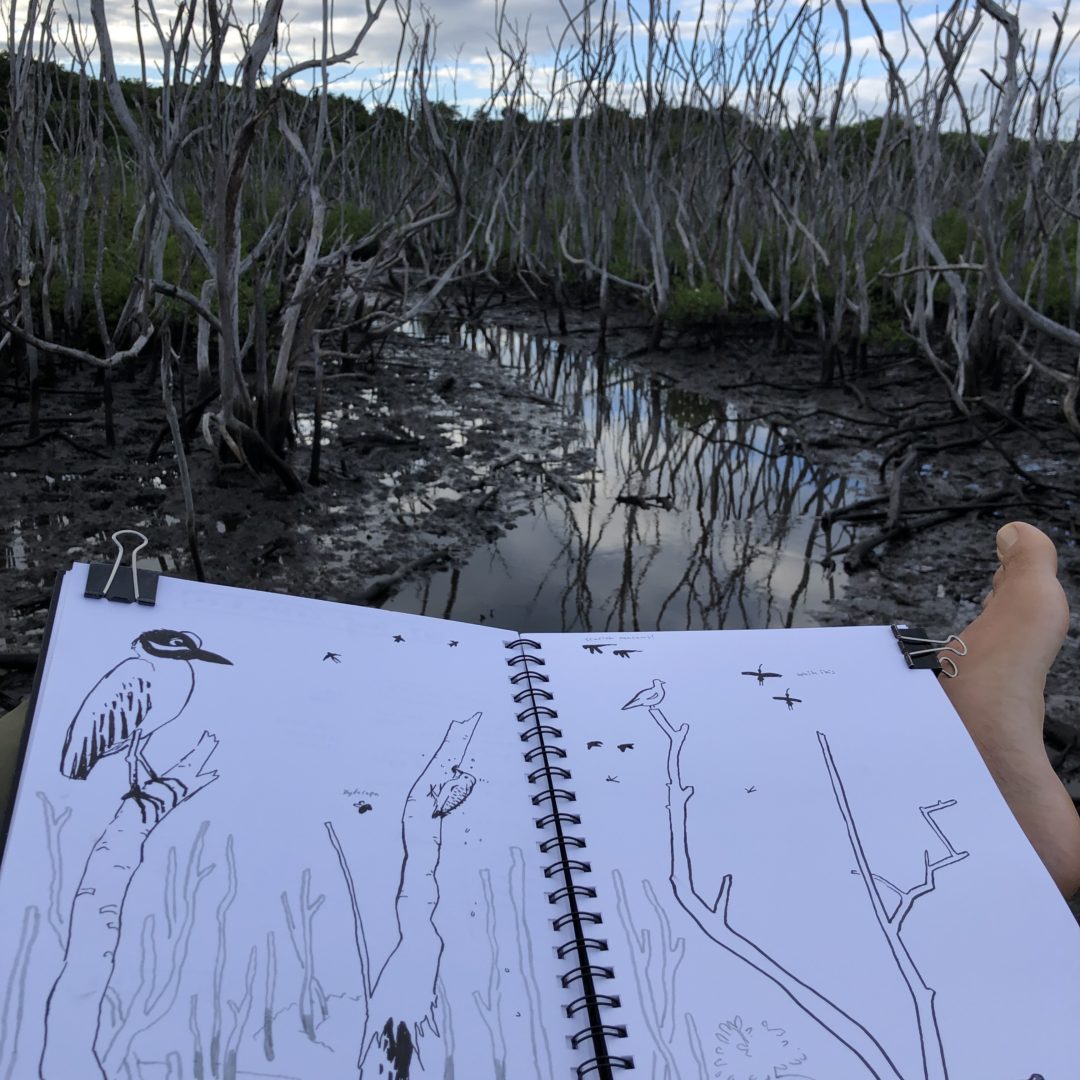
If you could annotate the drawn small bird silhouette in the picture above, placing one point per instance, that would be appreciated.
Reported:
(791, 701)
(596, 650)
(593, 743)
(336, 657)
(624, 746)
(362, 807)
(624, 654)
(648, 698)
(130, 702)
(761, 676)
(450, 794)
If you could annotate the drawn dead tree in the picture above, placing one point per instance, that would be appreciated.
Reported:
(311, 995)
(73, 1010)
(891, 918)
(655, 956)
(400, 1005)
(714, 918)
(163, 955)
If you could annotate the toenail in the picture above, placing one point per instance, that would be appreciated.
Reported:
(1007, 536)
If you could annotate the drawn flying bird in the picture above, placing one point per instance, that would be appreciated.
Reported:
(450, 794)
(624, 746)
(130, 702)
(624, 653)
(594, 649)
(594, 742)
(453, 644)
(791, 701)
(751, 790)
(761, 676)
(649, 698)
(612, 779)
(336, 657)
(398, 638)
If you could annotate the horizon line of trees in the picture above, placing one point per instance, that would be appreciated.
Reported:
(214, 211)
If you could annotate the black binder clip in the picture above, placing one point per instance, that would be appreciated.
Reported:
(925, 654)
(136, 587)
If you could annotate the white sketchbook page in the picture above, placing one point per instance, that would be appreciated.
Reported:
(992, 939)
(228, 943)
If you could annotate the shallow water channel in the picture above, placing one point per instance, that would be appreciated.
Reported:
(688, 517)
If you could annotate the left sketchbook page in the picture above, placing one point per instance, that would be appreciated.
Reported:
(258, 835)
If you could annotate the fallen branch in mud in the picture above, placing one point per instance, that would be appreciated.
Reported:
(54, 434)
(907, 523)
(378, 588)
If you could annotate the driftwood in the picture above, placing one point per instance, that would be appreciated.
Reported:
(378, 588)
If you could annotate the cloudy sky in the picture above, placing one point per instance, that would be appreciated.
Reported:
(467, 43)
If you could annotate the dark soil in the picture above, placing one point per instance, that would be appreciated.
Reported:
(414, 449)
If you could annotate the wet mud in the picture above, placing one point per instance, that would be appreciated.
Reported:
(510, 474)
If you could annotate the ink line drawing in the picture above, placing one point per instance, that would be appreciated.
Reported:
(655, 956)
(624, 654)
(75, 1004)
(129, 703)
(761, 676)
(595, 650)
(399, 1007)
(748, 1046)
(786, 697)
(715, 920)
(649, 698)
(336, 657)
(592, 744)
(15, 993)
(623, 747)
(892, 922)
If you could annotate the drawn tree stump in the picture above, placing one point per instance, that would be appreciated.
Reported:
(73, 1008)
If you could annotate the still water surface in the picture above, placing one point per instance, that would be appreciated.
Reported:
(722, 527)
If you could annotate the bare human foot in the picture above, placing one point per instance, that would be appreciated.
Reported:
(999, 690)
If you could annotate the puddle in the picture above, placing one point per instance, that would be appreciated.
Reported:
(690, 517)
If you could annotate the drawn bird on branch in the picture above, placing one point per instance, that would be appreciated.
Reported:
(129, 703)
(450, 794)
(648, 698)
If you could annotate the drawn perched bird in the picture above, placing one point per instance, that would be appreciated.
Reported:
(450, 794)
(791, 701)
(648, 698)
(761, 676)
(131, 701)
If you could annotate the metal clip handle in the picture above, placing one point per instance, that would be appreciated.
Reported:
(101, 581)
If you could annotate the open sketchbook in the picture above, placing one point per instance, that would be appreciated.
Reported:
(262, 836)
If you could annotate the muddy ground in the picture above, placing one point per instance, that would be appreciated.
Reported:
(423, 466)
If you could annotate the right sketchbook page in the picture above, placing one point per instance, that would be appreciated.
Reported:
(803, 867)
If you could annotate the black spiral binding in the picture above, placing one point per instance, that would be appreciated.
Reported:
(585, 975)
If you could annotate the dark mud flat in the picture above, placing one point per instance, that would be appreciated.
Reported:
(416, 470)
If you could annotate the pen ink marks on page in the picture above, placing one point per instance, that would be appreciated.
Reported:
(597, 649)
(814, 671)
(750, 790)
(453, 644)
(128, 704)
(119, 715)
(363, 807)
(761, 676)
(611, 779)
(400, 995)
(623, 747)
(890, 903)
(749, 1052)
(655, 957)
(399, 639)
(592, 744)
(786, 697)
(335, 657)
